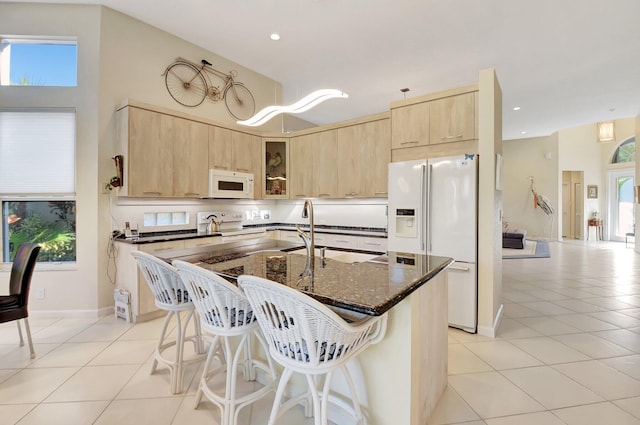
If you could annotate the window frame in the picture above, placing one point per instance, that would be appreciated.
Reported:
(5, 55)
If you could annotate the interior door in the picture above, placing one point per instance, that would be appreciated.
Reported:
(621, 203)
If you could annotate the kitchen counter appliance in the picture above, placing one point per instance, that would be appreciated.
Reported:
(230, 184)
(229, 225)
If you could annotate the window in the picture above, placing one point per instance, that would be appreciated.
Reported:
(37, 182)
(626, 152)
(36, 61)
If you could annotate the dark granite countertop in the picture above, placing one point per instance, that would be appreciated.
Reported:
(370, 287)
(154, 237)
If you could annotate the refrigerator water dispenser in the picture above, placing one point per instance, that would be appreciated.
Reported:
(406, 225)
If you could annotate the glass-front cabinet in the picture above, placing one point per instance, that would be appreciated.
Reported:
(275, 156)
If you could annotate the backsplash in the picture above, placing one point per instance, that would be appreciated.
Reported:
(371, 213)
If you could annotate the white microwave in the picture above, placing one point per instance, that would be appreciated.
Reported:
(230, 184)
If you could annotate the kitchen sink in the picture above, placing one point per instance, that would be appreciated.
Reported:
(342, 256)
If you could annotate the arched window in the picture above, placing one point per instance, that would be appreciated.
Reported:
(626, 152)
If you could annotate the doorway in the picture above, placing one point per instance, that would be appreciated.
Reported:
(573, 204)
(621, 203)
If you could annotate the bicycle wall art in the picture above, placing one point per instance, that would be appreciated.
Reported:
(190, 84)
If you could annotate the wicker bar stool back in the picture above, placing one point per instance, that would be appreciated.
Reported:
(170, 295)
(307, 337)
(226, 313)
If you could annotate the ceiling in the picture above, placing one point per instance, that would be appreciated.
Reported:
(564, 63)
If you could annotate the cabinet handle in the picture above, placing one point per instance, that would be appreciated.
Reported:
(191, 194)
(324, 195)
(412, 142)
(243, 170)
(373, 244)
(220, 167)
(301, 196)
(451, 137)
(152, 193)
(459, 269)
(343, 241)
(350, 195)
(381, 193)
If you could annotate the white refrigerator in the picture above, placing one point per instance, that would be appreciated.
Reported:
(433, 210)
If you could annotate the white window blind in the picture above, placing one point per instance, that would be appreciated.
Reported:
(37, 152)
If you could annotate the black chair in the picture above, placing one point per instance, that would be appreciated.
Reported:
(15, 305)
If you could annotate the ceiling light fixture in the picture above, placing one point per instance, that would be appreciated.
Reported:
(516, 108)
(606, 132)
(302, 105)
(275, 36)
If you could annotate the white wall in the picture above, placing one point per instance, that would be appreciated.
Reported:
(73, 287)
(538, 158)
(118, 58)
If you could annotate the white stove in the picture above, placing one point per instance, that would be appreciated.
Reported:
(229, 224)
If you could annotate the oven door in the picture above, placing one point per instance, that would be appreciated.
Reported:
(230, 184)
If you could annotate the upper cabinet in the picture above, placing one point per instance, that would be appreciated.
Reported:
(168, 155)
(433, 125)
(275, 160)
(363, 158)
(165, 154)
(313, 165)
(410, 125)
(452, 119)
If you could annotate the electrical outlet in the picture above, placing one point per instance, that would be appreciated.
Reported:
(40, 293)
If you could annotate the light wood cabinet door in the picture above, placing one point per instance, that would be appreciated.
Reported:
(364, 151)
(247, 154)
(453, 119)
(190, 159)
(301, 166)
(410, 125)
(325, 159)
(150, 162)
(220, 152)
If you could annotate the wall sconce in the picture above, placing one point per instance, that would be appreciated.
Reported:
(606, 132)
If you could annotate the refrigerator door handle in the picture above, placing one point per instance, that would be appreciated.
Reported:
(428, 207)
(423, 205)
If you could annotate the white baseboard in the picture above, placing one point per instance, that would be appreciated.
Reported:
(491, 331)
(89, 314)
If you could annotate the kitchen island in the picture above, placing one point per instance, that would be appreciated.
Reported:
(399, 379)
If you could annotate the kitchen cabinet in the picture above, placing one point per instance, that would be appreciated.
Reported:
(275, 160)
(220, 152)
(363, 158)
(190, 163)
(313, 170)
(301, 168)
(372, 244)
(325, 160)
(129, 277)
(410, 125)
(452, 119)
(236, 151)
(164, 154)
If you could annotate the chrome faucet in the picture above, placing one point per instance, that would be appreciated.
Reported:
(307, 238)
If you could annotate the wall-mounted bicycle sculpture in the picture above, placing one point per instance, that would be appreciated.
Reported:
(189, 84)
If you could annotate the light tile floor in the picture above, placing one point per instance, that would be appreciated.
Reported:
(567, 352)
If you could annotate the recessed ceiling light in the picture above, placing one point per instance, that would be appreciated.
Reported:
(523, 132)
(612, 109)
(275, 36)
(516, 108)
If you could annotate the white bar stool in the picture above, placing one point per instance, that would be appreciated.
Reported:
(307, 337)
(171, 295)
(226, 313)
